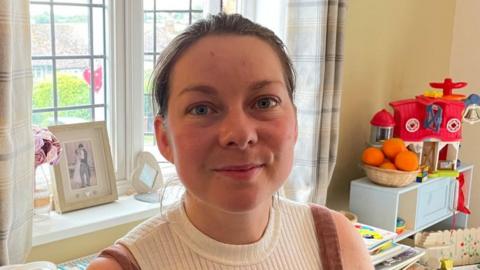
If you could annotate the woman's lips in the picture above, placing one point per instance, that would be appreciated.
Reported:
(240, 172)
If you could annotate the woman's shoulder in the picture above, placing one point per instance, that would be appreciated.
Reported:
(353, 250)
(333, 225)
(318, 211)
(290, 205)
(116, 257)
(154, 224)
(102, 263)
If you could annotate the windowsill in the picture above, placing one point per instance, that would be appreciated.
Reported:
(58, 227)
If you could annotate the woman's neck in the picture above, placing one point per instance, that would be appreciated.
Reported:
(228, 227)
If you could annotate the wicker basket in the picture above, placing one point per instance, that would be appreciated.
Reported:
(387, 177)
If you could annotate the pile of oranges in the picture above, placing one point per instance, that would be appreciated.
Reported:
(393, 155)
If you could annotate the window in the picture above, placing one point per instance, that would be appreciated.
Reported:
(68, 61)
(163, 20)
(87, 65)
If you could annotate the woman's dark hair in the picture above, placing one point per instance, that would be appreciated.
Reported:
(218, 24)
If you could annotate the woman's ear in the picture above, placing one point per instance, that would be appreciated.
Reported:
(161, 135)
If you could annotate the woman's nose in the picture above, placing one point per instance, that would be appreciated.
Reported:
(238, 130)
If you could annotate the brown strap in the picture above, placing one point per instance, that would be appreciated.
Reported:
(122, 256)
(327, 238)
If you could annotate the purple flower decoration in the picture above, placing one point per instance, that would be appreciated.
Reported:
(40, 157)
(47, 147)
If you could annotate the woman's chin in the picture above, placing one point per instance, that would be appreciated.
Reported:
(243, 204)
(233, 201)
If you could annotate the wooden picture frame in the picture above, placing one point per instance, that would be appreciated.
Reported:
(84, 176)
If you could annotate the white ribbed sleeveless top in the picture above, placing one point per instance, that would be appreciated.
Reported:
(173, 242)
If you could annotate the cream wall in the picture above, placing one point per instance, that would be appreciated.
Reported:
(465, 66)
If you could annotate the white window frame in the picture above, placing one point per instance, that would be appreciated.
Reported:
(126, 111)
(269, 13)
(124, 64)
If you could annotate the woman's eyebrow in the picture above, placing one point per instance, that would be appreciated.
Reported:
(262, 84)
(211, 91)
(201, 88)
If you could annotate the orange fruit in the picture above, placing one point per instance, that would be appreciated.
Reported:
(392, 147)
(406, 161)
(372, 156)
(387, 164)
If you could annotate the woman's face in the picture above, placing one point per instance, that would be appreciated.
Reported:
(231, 126)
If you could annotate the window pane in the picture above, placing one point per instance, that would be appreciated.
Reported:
(43, 119)
(169, 24)
(98, 81)
(172, 4)
(197, 4)
(42, 84)
(100, 114)
(148, 119)
(196, 16)
(40, 30)
(98, 30)
(74, 116)
(148, 65)
(71, 30)
(72, 86)
(148, 4)
(100, 2)
(72, 1)
(148, 31)
(230, 6)
(149, 141)
(147, 72)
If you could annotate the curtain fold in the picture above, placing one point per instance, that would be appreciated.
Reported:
(315, 43)
(16, 140)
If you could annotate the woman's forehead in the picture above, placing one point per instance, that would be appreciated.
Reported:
(232, 57)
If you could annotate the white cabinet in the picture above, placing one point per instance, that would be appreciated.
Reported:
(421, 205)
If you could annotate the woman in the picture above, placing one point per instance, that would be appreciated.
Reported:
(76, 181)
(227, 121)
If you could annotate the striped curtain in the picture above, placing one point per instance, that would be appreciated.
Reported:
(16, 140)
(315, 42)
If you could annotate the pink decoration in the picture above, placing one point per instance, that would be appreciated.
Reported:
(97, 78)
(47, 147)
(461, 196)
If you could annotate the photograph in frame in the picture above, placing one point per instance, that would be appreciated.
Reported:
(84, 177)
(81, 166)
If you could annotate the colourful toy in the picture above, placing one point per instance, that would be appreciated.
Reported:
(400, 225)
(368, 232)
(446, 264)
(382, 128)
(423, 174)
(430, 124)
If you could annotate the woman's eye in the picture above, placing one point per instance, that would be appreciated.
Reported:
(200, 110)
(266, 103)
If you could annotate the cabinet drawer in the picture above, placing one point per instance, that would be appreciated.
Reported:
(435, 201)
